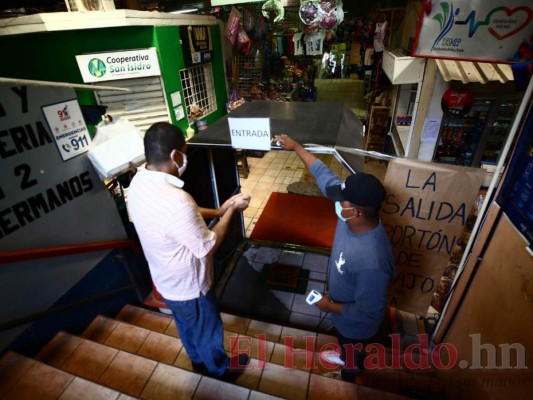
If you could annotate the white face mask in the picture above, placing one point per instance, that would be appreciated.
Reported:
(339, 209)
(183, 167)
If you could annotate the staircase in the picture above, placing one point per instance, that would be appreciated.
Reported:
(139, 355)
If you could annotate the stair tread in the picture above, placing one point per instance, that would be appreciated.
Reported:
(125, 359)
(138, 376)
(166, 349)
(274, 332)
(275, 349)
(133, 374)
(36, 380)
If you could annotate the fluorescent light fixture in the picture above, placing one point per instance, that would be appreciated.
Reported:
(188, 10)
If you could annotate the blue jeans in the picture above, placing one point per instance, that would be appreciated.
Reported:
(201, 332)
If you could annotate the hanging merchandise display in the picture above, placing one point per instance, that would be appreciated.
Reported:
(379, 36)
(309, 13)
(248, 21)
(273, 9)
(233, 26)
(328, 21)
(325, 15)
(310, 29)
(244, 43)
(327, 7)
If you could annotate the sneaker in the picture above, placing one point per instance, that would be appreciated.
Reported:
(237, 366)
(200, 368)
(331, 357)
(239, 362)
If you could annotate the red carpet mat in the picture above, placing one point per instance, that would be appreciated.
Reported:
(297, 219)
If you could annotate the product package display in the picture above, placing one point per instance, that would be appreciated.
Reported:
(234, 102)
(234, 25)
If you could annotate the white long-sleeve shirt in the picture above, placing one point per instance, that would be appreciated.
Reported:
(173, 235)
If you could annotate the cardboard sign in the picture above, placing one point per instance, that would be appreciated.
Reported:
(488, 30)
(111, 66)
(68, 126)
(250, 133)
(424, 213)
(44, 199)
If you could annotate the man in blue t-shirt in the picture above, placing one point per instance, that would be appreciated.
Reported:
(361, 264)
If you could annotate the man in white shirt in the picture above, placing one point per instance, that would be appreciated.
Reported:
(179, 247)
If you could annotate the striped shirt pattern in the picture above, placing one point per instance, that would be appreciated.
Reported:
(173, 235)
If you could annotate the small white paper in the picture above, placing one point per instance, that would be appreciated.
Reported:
(250, 133)
(176, 99)
(179, 113)
(430, 133)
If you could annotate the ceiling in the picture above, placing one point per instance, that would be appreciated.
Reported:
(36, 6)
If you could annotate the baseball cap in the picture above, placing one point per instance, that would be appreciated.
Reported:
(361, 189)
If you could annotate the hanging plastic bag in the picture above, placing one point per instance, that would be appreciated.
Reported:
(248, 21)
(273, 9)
(244, 43)
(234, 25)
(339, 12)
(327, 6)
(235, 101)
(116, 148)
(328, 21)
(309, 13)
(261, 27)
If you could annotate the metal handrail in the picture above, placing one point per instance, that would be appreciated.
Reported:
(57, 251)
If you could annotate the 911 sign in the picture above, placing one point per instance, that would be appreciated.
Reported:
(70, 132)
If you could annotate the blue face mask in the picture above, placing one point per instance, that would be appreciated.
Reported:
(338, 211)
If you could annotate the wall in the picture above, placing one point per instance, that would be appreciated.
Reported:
(45, 201)
(487, 321)
(495, 314)
(427, 149)
(166, 39)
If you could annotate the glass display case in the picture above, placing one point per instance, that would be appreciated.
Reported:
(477, 137)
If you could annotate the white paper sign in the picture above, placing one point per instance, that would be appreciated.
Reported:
(179, 113)
(66, 123)
(431, 129)
(250, 133)
(176, 99)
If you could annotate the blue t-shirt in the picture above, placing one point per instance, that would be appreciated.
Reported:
(360, 268)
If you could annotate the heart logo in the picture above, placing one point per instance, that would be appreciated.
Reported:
(510, 12)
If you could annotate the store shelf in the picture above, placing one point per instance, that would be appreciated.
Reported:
(378, 128)
(403, 133)
(400, 136)
(401, 69)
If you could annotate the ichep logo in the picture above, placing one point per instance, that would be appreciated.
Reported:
(97, 68)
